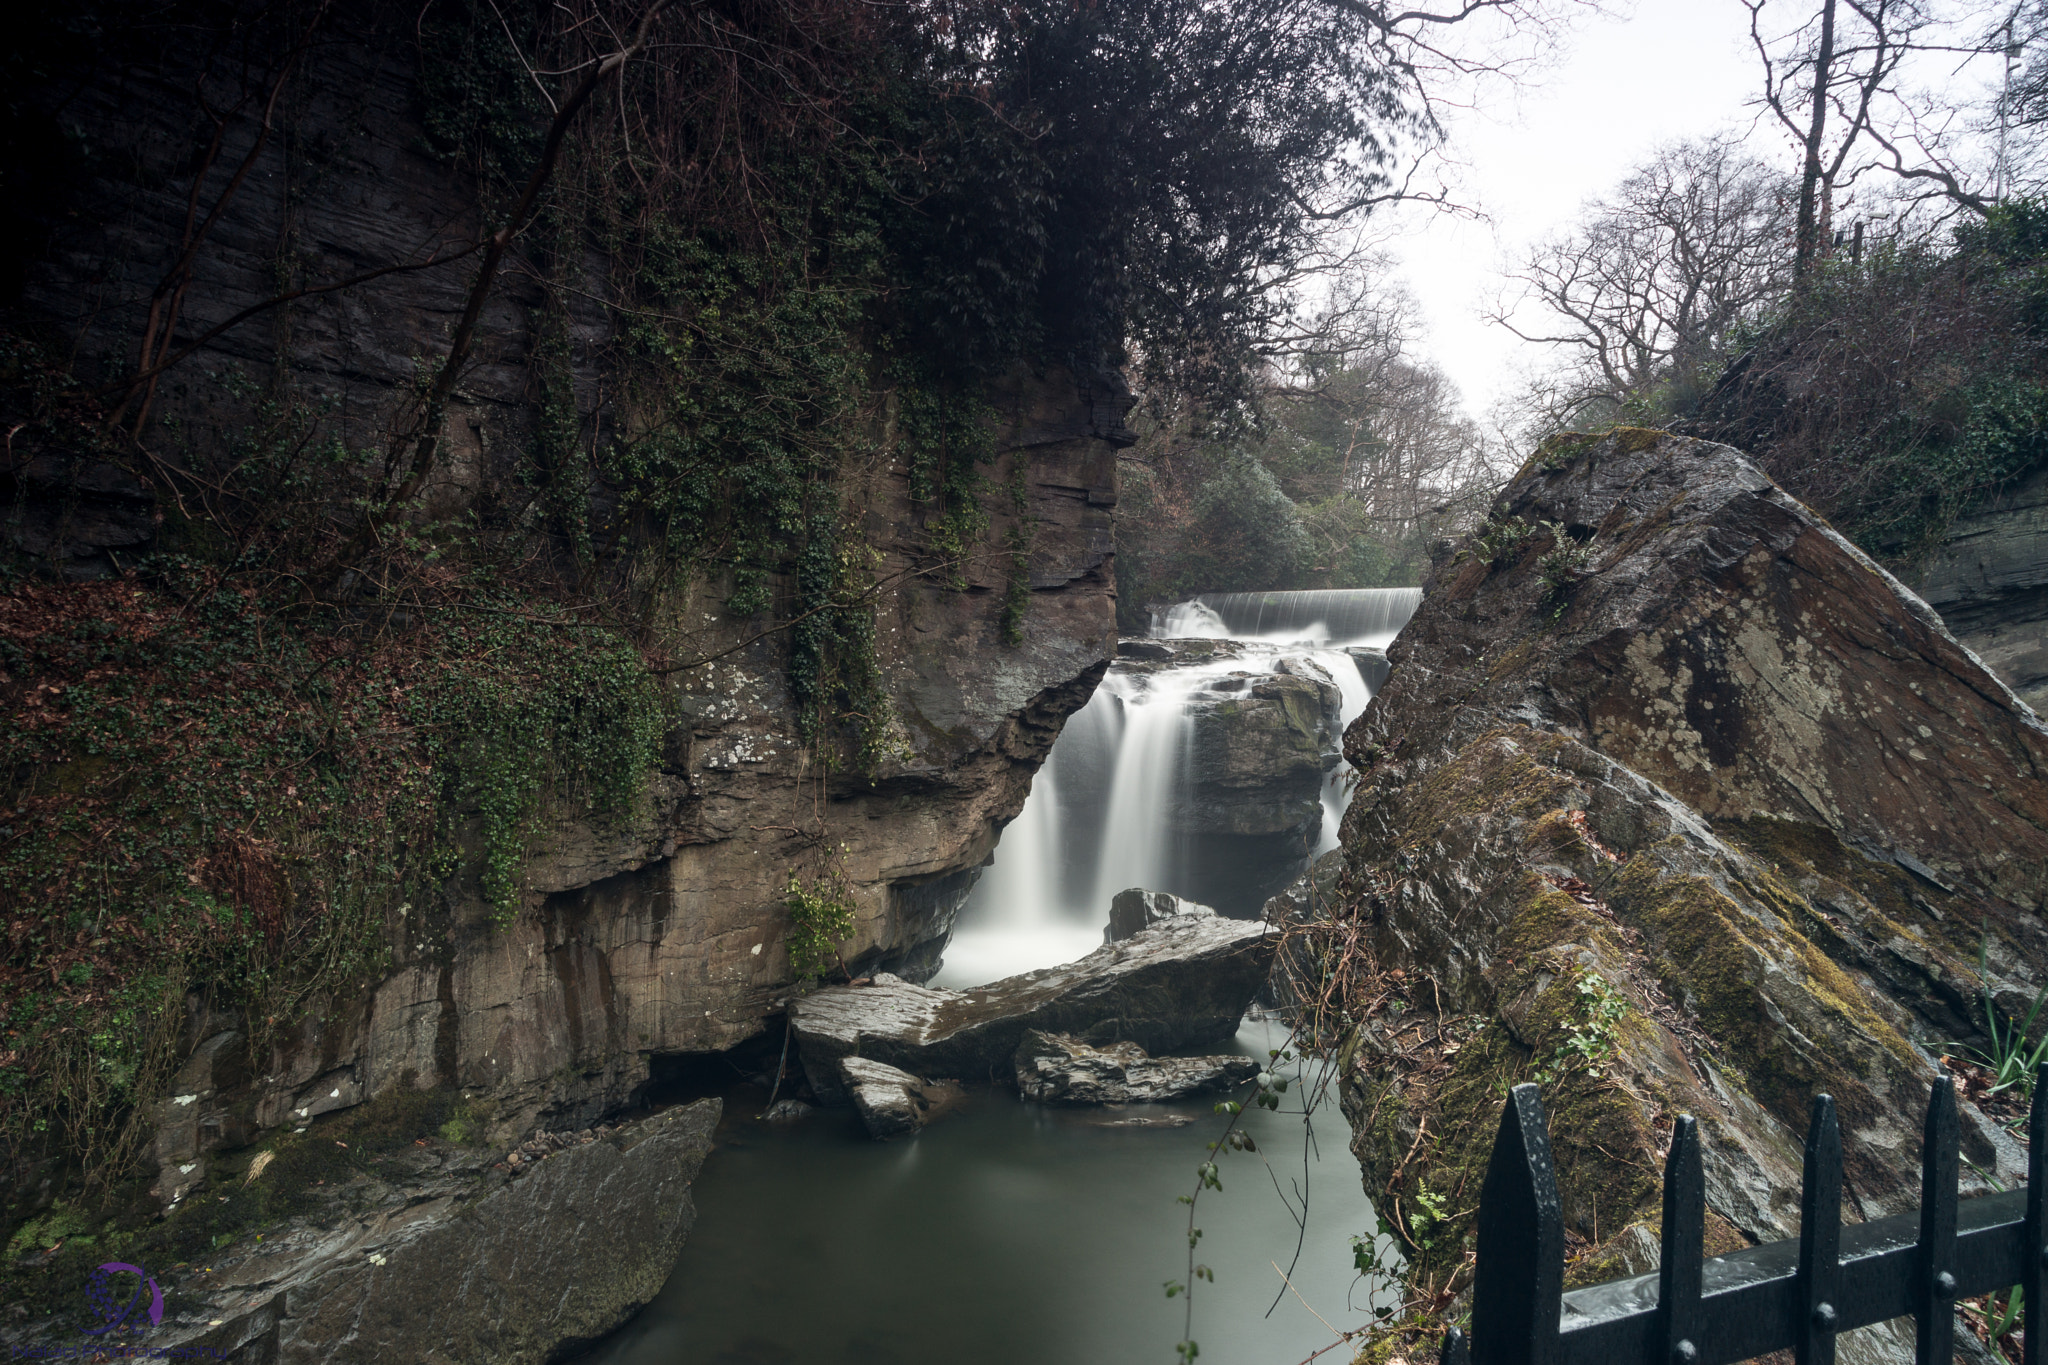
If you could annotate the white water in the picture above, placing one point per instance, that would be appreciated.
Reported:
(1046, 898)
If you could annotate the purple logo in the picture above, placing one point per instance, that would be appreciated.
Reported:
(103, 1293)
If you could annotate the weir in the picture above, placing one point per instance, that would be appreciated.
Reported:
(1114, 804)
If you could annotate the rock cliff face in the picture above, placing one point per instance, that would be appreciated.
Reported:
(1989, 581)
(660, 933)
(1676, 802)
(663, 933)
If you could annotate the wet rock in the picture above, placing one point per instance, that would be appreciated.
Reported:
(892, 1102)
(787, 1111)
(1058, 1068)
(464, 1264)
(1373, 665)
(1184, 981)
(1667, 765)
(1138, 909)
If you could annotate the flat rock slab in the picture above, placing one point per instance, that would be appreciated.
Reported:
(892, 1102)
(504, 1270)
(1057, 1068)
(1184, 981)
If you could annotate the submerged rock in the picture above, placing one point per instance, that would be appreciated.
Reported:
(1676, 797)
(892, 1102)
(1185, 980)
(1058, 1068)
(1138, 909)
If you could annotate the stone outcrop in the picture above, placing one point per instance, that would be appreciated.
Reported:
(1058, 1068)
(1137, 908)
(465, 1261)
(1184, 981)
(1989, 581)
(1678, 802)
(892, 1103)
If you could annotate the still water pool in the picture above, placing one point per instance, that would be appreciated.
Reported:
(1008, 1233)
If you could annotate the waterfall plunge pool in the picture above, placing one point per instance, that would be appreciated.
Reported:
(1011, 1233)
(1008, 1233)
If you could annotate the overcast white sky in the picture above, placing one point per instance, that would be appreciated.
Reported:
(1673, 69)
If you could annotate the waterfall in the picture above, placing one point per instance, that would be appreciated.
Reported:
(1331, 616)
(1098, 817)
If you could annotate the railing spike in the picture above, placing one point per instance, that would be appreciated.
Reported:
(2033, 1282)
(1455, 1351)
(1518, 1281)
(1679, 1268)
(1820, 1239)
(1934, 1337)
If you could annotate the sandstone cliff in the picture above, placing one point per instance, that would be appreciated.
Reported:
(1676, 803)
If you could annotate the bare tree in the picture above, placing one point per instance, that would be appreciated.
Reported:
(1872, 85)
(1640, 299)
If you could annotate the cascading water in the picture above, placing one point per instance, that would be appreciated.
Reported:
(1098, 817)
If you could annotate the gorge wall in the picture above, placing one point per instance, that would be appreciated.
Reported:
(639, 937)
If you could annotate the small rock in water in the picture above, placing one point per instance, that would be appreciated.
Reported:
(784, 1111)
(893, 1102)
(1148, 1121)
(1058, 1068)
(1138, 909)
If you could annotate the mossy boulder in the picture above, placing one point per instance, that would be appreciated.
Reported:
(1677, 803)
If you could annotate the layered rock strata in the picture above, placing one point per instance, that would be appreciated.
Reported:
(1181, 982)
(1989, 581)
(1676, 802)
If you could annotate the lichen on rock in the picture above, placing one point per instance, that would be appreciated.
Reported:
(1719, 821)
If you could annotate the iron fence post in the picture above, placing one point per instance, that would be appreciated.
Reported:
(1518, 1281)
(2033, 1282)
(1684, 1249)
(1934, 1337)
(1820, 1238)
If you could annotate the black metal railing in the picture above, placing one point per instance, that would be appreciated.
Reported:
(1793, 1295)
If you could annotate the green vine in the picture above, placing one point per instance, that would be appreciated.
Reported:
(821, 917)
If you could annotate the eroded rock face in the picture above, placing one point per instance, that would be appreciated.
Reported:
(1058, 1068)
(1989, 581)
(1709, 791)
(466, 1264)
(1138, 909)
(1183, 981)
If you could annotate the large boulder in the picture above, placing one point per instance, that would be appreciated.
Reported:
(468, 1261)
(1183, 981)
(1679, 803)
(1058, 1068)
(1137, 908)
